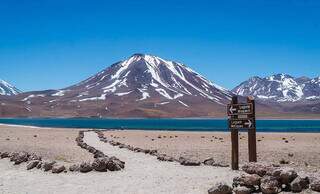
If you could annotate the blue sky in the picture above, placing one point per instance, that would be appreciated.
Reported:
(53, 44)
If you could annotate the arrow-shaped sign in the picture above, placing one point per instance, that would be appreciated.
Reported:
(232, 109)
(249, 123)
(240, 109)
(241, 123)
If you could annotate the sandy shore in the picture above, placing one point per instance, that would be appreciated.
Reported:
(50, 143)
(302, 150)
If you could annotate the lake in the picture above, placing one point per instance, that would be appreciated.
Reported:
(165, 124)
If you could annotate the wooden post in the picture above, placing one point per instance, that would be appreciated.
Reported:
(252, 142)
(235, 142)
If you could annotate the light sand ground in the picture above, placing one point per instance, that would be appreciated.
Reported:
(143, 174)
(50, 143)
(271, 147)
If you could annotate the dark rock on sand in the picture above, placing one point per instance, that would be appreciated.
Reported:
(242, 190)
(220, 188)
(85, 167)
(20, 158)
(114, 164)
(100, 164)
(48, 165)
(315, 185)
(58, 169)
(39, 165)
(257, 168)
(269, 185)
(189, 162)
(299, 183)
(4, 155)
(74, 167)
(287, 175)
(209, 161)
(32, 164)
(248, 180)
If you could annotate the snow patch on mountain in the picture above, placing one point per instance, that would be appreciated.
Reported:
(7, 89)
(280, 88)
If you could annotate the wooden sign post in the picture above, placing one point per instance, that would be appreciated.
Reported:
(242, 116)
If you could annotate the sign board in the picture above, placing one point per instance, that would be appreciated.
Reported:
(240, 109)
(241, 123)
(242, 116)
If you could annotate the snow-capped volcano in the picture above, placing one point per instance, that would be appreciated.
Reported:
(7, 89)
(142, 85)
(280, 88)
(145, 76)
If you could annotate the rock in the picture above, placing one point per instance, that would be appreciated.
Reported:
(209, 161)
(299, 183)
(164, 157)
(100, 164)
(99, 154)
(34, 157)
(4, 155)
(248, 180)
(32, 164)
(85, 167)
(74, 167)
(58, 169)
(257, 168)
(220, 188)
(242, 190)
(189, 162)
(39, 165)
(287, 175)
(269, 185)
(153, 152)
(284, 161)
(315, 185)
(48, 165)
(114, 164)
(20, 158)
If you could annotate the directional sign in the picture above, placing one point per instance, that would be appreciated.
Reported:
(240, 109)
(241, 124)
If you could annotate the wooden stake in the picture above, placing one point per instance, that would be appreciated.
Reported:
(252, 141)
(235, 142)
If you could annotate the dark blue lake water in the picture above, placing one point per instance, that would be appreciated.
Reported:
(168, 124)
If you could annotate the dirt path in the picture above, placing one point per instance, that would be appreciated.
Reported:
(142, 174)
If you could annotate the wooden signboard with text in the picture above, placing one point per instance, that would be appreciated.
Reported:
(242, 116)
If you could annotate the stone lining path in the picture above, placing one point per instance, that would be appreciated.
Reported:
(142, 174)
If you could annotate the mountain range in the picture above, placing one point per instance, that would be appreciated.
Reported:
(149, 86)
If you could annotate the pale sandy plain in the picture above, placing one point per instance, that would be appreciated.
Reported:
(143, 173)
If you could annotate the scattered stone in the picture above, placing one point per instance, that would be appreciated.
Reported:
(290, 154)
(189, 162)
(20, 158)
(39, 165)
(74, 168)
(242, 190)
(257, 168)
(299, 183)
(209, 161)
(248, 180)
(32, 164)
(58, 169)
(100, 164)
(35, 136)
(4, 155)
(315, 185)
(220, 188)
(85, 167)
(269, 185)
(48, 165)
(284, 161)
(287, 175)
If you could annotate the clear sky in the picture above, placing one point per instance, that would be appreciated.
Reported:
(53, 44)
